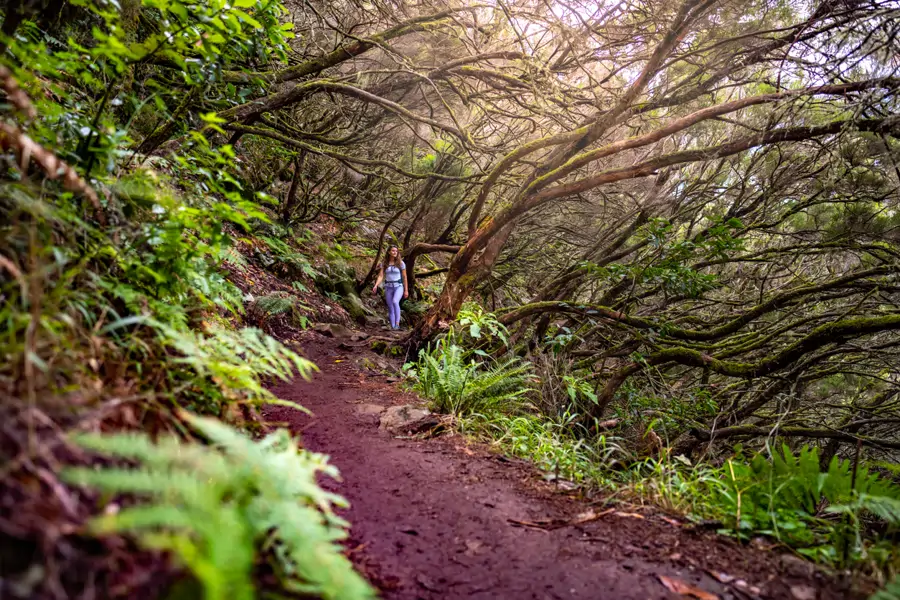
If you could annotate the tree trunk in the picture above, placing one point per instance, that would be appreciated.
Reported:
(161, 134)
(411, 277)
(290, 201)
(469, 267)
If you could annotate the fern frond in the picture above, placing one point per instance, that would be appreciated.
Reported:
(458, 386)
(217, 507)
(891, 591)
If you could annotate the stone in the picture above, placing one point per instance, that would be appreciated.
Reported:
(370, 409)
(407, 419)
(796, 566)
(474, 547)
(380, 347)
(374, 321)
(335, 330)
(355, 307)
(803, 592)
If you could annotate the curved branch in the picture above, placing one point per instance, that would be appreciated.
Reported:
(253, 109)
(807, 432)
(778, 301)
(650, 167)
(339, 55)
(830, 333)
(339, 156)
(696, 117)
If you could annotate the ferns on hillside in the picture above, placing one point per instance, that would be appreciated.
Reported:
(236, 360)
(220, 508)
(457, 385)
(275, 304)
(790, 498)
(111, 301)
(289, 257)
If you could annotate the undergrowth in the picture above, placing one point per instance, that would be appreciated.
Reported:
(117, 314)
(224, 507)
(459, 385)
(828, 515)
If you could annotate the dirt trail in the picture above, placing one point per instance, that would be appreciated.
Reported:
(431, 519)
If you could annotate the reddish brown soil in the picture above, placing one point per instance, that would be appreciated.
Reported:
(431, 518)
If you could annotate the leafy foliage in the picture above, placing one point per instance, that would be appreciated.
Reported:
(293, 260)
(275, 304)
(459, 385)
(236, 360)
(223, 507)
(113, 289)
(478, 324)
(821, 514)
(788, 496)
(890, 592)
(551, 446)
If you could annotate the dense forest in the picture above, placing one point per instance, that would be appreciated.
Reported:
(652, 246)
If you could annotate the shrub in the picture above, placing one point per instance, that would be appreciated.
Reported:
(459, 385)
(221, 508)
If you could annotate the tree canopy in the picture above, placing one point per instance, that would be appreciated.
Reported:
(703, 193)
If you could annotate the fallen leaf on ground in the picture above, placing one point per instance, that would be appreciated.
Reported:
(587, 517)
(358, 548)
(721, 577)
(546, 524)
(627, 514)
(672, 522)
(678, 586)
(803, 592)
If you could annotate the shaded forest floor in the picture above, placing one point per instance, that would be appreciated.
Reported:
(444, 517)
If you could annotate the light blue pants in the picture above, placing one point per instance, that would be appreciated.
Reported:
(393, 295)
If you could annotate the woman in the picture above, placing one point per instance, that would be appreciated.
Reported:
(393, 272)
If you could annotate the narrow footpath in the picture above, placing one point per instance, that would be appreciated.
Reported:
(447, 518)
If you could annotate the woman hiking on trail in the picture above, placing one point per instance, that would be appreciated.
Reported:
(393, 272)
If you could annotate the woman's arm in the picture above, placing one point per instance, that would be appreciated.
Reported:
(405, 283)
(378, 281)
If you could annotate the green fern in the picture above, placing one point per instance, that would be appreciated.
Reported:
(891, 591)
(236, 360)
(885, 508)
(457, 385)
(275, 304)
(290, 257)
(220, 508)
(789, 497)
(231, 255)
